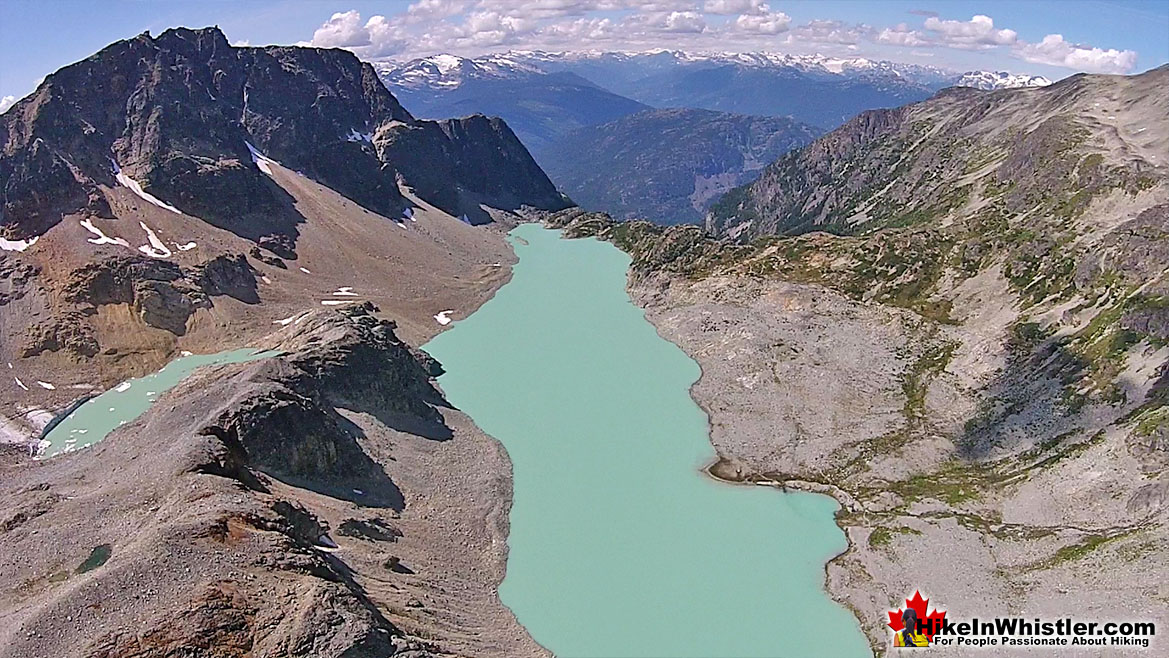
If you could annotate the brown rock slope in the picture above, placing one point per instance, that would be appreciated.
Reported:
(261, 509)
(976, 368)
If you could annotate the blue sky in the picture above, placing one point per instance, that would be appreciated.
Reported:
(1043, 37)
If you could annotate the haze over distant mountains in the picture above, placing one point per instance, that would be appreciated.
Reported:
(669, 165)
(814, 89)
(553, 100)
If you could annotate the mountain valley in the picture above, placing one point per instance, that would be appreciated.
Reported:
(589, 118)
(939, 298)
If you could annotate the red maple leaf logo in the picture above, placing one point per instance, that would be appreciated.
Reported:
(931, 622)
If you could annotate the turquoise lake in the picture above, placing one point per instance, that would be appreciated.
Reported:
(619, 544)
(95, 419)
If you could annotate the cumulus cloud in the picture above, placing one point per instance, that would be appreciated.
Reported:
(902, 35)
(979, 31)
(733, 7)
(1053, 50)
(7, 102)
(765, 23)
(342, 30)
(831, 32)
(425, 9)
(473, 27)
(684, 21)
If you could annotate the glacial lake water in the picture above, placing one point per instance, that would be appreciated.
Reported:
(96, 418)
(619, 544)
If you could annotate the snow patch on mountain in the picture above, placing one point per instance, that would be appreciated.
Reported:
(101, 238)
(156, 248)
(990, 80)
(450, 71)
(17, 245)
(260, 160)
(355, 136)
(136, 188)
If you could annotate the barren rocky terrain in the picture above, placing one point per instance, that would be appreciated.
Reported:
(176, 194)
(325, 502)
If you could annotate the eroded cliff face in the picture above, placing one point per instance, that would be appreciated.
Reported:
(280, 507)
(981, 386)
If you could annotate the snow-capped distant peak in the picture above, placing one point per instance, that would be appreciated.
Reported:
(991, 80)
(448, 71)
(446, 63)
(445, 72)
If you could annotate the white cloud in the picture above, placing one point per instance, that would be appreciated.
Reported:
(1053, 50)
(765, 23)
(426, 9)
(684, 21)
(977, 32)
(581, 30)
(902, 35)
(732, 7)
(474, 27)
(342, 30)
(834, 32)
(7, 102)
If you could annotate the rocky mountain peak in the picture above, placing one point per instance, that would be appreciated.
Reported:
(185, 115)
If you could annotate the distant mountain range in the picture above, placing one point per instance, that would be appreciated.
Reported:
(540, 107)
(814, 89)
(669, 165)
(588, 118)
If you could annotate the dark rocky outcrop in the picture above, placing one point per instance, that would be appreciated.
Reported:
(177, 111)
(480, 155)
(283, 419)
(228, 274)
(373, 529)
(67, 331)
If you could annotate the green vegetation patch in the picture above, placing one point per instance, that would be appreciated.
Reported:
(883, 535)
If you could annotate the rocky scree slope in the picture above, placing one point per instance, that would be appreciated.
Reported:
(211, 535)
(668, 166)
(975, 363)
(176, 114)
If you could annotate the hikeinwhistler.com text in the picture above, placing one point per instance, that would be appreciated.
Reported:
(1019, 632)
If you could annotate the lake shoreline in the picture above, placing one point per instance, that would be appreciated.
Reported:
(717, 468)
(457, 527)
(505, 359)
